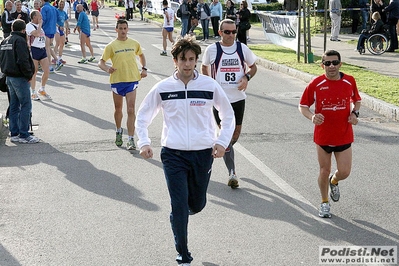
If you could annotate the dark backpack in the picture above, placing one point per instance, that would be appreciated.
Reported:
(179, 12)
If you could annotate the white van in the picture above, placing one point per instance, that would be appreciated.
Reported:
(155, 6)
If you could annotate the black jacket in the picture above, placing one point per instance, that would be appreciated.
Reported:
(24, 16)
(15, 58)
(377, 27)
(393, 9)
(6, 21)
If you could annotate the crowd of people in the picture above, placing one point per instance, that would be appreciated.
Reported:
(194, 12)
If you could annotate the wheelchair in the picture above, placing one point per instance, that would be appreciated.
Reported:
(378, 43)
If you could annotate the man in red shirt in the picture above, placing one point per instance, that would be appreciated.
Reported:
(337, 103)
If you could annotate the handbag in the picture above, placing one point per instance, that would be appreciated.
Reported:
(244, 25)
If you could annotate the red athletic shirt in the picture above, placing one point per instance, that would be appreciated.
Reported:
(94, 6)
(332, 98)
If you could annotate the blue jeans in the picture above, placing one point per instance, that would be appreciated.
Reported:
(184, 26)
(365, 18)
(187, 175)
(205, 28)
(362, 38)
(20, 106)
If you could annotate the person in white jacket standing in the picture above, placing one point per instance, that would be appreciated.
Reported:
(189, 137)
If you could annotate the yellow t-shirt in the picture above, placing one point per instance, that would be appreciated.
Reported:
(123, 57)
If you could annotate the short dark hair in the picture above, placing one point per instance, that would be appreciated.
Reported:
(121, 21)
(331, 53)
(165, 2)
(18, 25)
(186, 44)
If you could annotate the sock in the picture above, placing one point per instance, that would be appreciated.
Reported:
(41, 88)
(324, 200)
(131, 137)
(119, 130)
(334, 181)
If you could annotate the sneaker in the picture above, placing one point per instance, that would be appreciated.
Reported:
(45, 94)
(53, 61)
(324, 211)
(97, 26)
(233, 181)
(118, 140)
(52, 71)
(184, 264)
(63, 61)
(14, 139)
(35, 97)
(130, 145)
(94, 29)
(91, 59)
(83, 61)
(39, 68)
(59, 66)
(334, 191)
(164, 53)
(29, 140)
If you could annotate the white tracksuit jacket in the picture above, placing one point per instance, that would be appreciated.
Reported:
(188, 122)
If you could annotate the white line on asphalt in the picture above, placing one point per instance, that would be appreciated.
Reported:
(284, 186)
(156, 77)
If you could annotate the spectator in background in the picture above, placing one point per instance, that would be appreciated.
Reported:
(18, 66)
(184, 17)
(243, 25)
(364, 5)
(19, 13)
(291, 6)
(37, 5)
(204, 14)
(6, 19)
(231, 11)
(354, 15)
(393, 15)
(335, 15)
(192, 6)
(378, 6)
(216, 16)
(140, 6)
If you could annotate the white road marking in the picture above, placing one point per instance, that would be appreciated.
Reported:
(284, 186)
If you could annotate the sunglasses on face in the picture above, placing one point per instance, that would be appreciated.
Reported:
(229, 31)
(334, 62)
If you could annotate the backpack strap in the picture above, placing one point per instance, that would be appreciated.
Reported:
(219, 53)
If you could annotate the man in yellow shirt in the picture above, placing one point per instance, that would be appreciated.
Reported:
(124, 78)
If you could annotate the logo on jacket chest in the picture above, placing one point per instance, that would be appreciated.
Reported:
(197, 103)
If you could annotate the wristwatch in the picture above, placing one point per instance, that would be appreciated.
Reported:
(356, 113)
(144, 68)
(248, 76)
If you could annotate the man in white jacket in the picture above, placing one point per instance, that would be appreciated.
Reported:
(189, 138)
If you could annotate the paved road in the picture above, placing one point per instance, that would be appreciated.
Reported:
(77, 199)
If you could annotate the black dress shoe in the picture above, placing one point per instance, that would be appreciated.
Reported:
(335, 40)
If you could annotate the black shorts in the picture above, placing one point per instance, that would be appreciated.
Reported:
(38, 53)
(238, 108)
(330, 149)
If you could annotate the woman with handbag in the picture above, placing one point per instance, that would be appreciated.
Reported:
(243, 15)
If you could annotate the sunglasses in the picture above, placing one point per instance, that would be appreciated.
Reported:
(334, 62)
(229, 31)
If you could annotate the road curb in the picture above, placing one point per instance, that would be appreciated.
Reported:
(388, 110)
